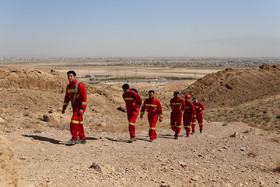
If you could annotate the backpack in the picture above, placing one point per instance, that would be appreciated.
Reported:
(75, 93)
(133, 90)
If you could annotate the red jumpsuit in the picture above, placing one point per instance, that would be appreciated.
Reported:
(199, 108)
(154, 112)
(76, 125)
(178, 106)
(133, 103)
(189, 117)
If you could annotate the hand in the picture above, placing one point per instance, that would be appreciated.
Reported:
(81, 111)
(160, 120)
(63, 111)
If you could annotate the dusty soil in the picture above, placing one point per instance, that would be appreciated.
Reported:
(212, 158)
(10, 166)
(225, 154)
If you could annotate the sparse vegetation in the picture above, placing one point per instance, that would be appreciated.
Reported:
(277, 168)
(180, 78)
(277, 140)
(252, 154)
(266, 118)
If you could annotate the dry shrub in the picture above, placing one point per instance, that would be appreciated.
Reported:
(253, 124)
(252, 154)
(277, 168)
(277, 140)
(247, 131)
(26, 113)
(267, 128)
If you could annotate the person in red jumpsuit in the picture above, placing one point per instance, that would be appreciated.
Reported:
(133, 103)
(199, 108)
(189, 115)
(178, 106)
(153, 106)
(79, 104)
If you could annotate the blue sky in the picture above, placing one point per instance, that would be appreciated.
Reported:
(245, 28)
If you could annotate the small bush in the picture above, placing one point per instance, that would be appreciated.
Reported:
(277, 168)
(252, 155)
(277, 140)
(252, 115)
(266, 118)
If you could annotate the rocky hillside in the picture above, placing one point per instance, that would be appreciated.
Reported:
(232, 87)
(32, 79)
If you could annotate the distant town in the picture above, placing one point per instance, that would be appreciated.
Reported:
(151, 61)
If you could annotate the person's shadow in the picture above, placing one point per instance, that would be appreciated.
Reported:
(44, 139)
(51, 140)
(116, 140)
(125, 141)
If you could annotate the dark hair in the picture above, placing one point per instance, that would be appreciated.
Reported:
(176, 93)
(151, 91)
(71, 72)
(125, 86)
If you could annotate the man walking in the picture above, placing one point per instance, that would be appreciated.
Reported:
(189, 116)
(76, 93)
(153, 106)
(178, 106)
(198, 109)
(133, 103)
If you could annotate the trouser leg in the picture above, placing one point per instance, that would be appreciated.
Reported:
(132, 117)
(152, 123)
(172, 121)
(200, 121)
(178, 124)
(74, 128)
(187, 123)
(193, 126)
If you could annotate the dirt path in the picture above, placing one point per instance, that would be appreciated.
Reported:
(212, 158)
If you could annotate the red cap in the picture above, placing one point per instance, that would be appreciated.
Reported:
(188, 96)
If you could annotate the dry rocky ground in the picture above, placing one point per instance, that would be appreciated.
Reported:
(225, 154)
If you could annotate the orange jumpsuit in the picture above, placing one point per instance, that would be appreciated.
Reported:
(133, 102)
(189, 117)
(154, 112)
(178, 106)
(199, 108)
(76, 124)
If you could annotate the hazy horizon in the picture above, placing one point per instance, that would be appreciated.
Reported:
(124, 28)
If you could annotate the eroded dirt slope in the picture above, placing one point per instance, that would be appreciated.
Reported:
(232, 86)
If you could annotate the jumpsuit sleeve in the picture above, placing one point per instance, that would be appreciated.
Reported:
(138, 99)
(66, 100)
(143, 109)
(183, 105)
(83, 95)
(202, 107)
(159, 110)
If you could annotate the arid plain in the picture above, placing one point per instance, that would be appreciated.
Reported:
(240, 145)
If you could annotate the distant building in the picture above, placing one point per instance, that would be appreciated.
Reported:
(97, 76)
